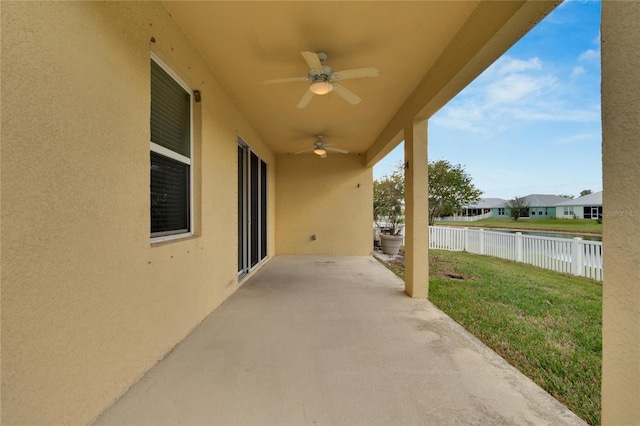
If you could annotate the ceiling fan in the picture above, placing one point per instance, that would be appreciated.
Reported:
(324, 80)
(319, 148)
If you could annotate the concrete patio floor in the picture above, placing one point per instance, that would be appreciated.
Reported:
(332, 340)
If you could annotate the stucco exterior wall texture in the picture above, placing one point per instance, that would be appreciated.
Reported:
(330, 198)
(621, 212)
(416, 196)
(88, 304)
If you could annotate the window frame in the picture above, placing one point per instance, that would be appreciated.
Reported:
(158, 149)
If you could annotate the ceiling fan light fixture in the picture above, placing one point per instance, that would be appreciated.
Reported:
(320, 151)
(321, 87)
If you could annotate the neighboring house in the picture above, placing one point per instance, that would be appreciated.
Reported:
(483, 206)
(543, 206)
(586, 207)
(540, 206)
(501, 211)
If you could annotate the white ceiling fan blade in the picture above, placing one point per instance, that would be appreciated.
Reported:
(312, 60)
(340, 150)
(346, 94)
(285, 80)
(355, 73)
(306, 98)
(303, 151)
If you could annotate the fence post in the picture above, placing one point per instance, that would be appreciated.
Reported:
(481, 241)
(447, 238)
(576, 257)
(518, 246)
(466, 239)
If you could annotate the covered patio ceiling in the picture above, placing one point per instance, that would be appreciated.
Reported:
(425, 51)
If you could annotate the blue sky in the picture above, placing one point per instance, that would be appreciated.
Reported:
(531, 122)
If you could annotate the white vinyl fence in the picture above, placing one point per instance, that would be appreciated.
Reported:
(571, 256)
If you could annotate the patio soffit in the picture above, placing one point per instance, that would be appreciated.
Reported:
(426, 51)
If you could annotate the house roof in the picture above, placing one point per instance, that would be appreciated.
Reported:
(488, 203)
(426, 52)
(543, 200)
(594, 199)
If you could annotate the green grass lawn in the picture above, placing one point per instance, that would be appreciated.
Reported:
(547, 325)
(586, 226)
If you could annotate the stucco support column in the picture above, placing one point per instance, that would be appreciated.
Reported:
(620, 31)
(416, 269)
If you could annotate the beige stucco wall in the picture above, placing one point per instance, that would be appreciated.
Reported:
(416, 195)
(331, 198)
(621, 212)
(88, 305)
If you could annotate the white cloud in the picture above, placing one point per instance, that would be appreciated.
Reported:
(556, 111)
(508, 65)
(459, 124)
(589, 55)
(517, 87)
(577, 138)
(515, 91)
(468, 117)
(577, 71)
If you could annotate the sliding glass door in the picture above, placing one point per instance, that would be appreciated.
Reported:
(252, 209)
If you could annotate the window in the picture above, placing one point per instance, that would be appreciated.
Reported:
(170, 145)
(501, 211)
(568, 211)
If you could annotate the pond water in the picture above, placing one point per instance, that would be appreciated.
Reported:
(551, 234)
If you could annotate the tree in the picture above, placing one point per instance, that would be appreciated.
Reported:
(450, 188)
(566, 196)
(519, 207)
(388, 200)
(585, 192)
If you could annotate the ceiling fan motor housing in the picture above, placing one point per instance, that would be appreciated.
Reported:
(321, 75)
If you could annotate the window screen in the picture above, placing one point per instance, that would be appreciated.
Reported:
(170, 154)
(170, 112)
(169, 196)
